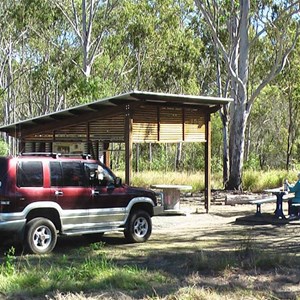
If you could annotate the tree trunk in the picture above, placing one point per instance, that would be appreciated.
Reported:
(236, 147)
(248, 142)
(240, 112)
(225, 151)
(178, 156)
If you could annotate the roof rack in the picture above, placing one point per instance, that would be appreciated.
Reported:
(57, 155)
(82, 155)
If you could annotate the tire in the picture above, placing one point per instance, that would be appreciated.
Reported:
(40, 236)
(139, 227)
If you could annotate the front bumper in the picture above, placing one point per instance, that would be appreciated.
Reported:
(158, 210)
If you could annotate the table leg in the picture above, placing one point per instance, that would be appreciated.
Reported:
(171, 199)
(278, 211)
(258, 209)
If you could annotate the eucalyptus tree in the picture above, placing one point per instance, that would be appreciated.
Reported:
(274, 122)
(289, 85)
(266, 137)
(10, 40)
(248, 24)
(82, 16)
(162, 51)
(23, 25)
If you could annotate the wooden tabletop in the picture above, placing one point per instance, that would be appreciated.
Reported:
(276, 190)
(171, 186)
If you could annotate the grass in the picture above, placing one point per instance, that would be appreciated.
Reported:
(257, 181)
(35, 276)
(254, 181)
(90, 270)
(146, 179)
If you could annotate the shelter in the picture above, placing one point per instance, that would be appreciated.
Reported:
(129, 118)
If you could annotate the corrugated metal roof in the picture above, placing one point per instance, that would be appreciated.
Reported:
(127, 98)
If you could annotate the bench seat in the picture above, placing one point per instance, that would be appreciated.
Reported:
(269, 199)
(261, 201)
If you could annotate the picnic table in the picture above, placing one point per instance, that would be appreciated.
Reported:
(278, 196)
(171, 195)
(279, 193)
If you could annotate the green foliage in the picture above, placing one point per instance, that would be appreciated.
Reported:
(3, 148)
(8, 266)
(256, 181)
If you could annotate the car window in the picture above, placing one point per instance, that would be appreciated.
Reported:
(99, 175)
(56, 177)
(67, 174)
(73, 174)
(30, 174)
(3, 172)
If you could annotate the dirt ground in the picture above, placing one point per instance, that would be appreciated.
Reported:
(176, 241)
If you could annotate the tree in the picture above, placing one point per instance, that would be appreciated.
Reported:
(246, 26)
(82, 20)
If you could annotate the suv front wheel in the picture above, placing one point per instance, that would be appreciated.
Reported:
(139, 227)
(40, 236)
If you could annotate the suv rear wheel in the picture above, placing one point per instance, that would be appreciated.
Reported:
(40, 236)
(139, 227)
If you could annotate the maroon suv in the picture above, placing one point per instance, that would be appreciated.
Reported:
(44, 194)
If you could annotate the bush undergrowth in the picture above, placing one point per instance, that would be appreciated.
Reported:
(254, 181)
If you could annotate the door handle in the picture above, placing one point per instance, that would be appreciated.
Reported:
(95, 193)
(59, 193)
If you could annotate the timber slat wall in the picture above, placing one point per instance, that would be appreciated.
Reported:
(150, 124)
(168, 124)
(111, 129)
(171, 121)
(145, 125)
(194, 129)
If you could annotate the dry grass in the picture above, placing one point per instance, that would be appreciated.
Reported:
(254, 181)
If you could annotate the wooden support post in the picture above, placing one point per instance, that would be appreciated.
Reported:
(128, 144)
(106, 154)
(21, 146)
(89, 143)
(207, 162)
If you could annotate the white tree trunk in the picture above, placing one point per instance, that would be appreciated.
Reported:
(236, 56)
(82, 25)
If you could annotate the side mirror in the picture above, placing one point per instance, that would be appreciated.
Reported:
(118, 181)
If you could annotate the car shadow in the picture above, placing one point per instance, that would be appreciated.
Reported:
(65, 244)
